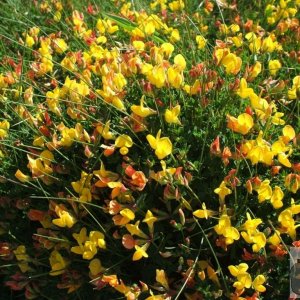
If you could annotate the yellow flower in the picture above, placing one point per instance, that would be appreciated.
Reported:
(268, 45)
(287, 222)
(242, 124)
(232, 63)
(254, 42)
(104, 131)
(239, 269)
(162, 146)
(149, 219)
(4, 127)
(274, 66)
(257, 238)
(148, 28)
(22, 177)
(201, 41)
(97, 238)
(251, 224)
(264, 191)
(171, 116)
(59, 45)
(140, 252)
(106, 178)
(95, 267)
(258, 150)
(65, 218)
(52, 99)
(141, 110)
(276, 118)
(222, 191)
(167, 49)
(162, 279)
(82, 187)
(22, 258)
(176, 5)
(254, 70)
(175, 77)
(275, 238)
(123, 142)
(135, 230)
(88, 245)
(203, 213)
(243, 281)
(179, 62)
(174, 36)
(224, 228)
(237, 40)
(258, 283)
(138, 45)
(243, 90)
(128, 215)
(41, 167)
(58, 263)
(288, 133)
(277, 196)
(294, 91)
(243, 278)
(29, 41)
(157, 76)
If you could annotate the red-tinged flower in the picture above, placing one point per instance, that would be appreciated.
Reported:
(128, 241)
(221, 242)
(231, 179)
(215, 147)
(248, 25)
(188, 277)
(6, 252)
(44, 130)
(275, 170)
(256, 182)
(247, 255)
(178, 175)
(18, 282)
(108, 151)
(147, 87)
(159, 102)
(226, 154)
(249, 111)
(129, 170)
(197, 70)
(170, 192)
(92, 10)
(292, 182)
(14, 285)
(296, 244)
(36, 215)
(22, 203)
(278, 251)
(253, 297)
(70, 280)
(137, 179)
(114, 207)
(249, 186)
(296, 167)
(204, 101)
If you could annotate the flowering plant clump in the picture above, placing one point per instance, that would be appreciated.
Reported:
(149, 150)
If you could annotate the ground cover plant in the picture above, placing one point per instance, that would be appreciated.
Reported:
(149, 149)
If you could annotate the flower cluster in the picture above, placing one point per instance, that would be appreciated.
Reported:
(150, 153)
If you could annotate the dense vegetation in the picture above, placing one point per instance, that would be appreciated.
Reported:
(149, 150)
